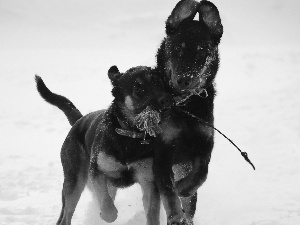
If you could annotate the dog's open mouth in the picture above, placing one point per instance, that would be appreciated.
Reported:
(148, 121)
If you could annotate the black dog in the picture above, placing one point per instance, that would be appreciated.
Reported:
(188, 61)
(181, 155)
(101, 148)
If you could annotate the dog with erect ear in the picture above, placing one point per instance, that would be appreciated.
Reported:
(188, 61)
(188, 57)
(113, 148)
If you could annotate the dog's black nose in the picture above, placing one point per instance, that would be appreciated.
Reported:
(165, 101)
(184, 82)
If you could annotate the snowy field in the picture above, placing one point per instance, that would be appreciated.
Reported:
(71, 45)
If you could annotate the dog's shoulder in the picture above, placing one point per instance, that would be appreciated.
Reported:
(86, 127)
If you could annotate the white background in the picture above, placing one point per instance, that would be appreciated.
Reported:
(72, 44)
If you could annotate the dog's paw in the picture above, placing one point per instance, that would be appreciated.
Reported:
(179, 220)
(184, 190)
(109, 214)
(183, 221)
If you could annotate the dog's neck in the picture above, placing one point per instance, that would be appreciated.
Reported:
(122, 117)
(124, 131)
(126, 127)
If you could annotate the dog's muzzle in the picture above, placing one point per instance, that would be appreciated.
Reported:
(189, 85)
(199, 88)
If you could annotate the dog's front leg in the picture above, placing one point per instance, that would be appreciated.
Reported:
(109, 212)
(163, 174)
(151, 202)
(151, 197)
(189, 185)
(189, 207)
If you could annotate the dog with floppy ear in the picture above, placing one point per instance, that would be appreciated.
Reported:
(105, 147)
(188, 61)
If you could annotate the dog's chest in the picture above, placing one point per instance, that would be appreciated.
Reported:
(108, 163)
(124, 160)
(142, 169)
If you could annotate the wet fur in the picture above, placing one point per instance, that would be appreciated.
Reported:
(184, 144)
(182, 152)
(180, 59)
(92, 149)
(94, 152)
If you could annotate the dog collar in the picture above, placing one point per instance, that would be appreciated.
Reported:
(128, 133)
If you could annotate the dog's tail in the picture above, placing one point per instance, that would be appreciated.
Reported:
(64, 104)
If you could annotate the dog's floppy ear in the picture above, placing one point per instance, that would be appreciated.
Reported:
(114, 74)
(184, 10)
(209, 14)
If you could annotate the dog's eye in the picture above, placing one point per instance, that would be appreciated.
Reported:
(200, 48)
(157, 82)
(177, 48)
(201, 52)
(138, 92)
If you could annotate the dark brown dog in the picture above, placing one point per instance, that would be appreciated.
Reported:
(101, 146)
(188, 61)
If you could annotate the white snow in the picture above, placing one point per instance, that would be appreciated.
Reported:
(257, 106)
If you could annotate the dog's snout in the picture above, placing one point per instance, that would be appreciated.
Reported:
(184, 82)
(165, 101)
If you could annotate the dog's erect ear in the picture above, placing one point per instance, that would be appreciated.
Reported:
(209, 14)
(184, 10)
(114, 74)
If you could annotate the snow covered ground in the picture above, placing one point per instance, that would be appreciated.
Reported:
(257, 106)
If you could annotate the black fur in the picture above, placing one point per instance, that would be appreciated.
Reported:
(188, 52)
(95, 134)
(94, 149)
(184, 143)
(64, 104)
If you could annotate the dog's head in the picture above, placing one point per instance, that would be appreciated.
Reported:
(190, 50)
(138, 89)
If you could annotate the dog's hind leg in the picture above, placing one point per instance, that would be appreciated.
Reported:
(109, 212)
(72, 189)
(189, 207)
(75, 165)
(62, 210)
